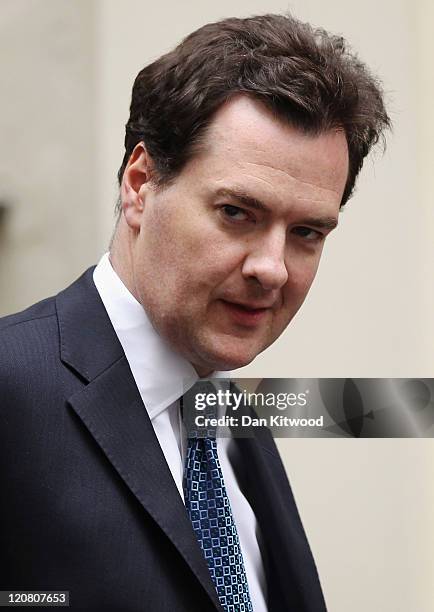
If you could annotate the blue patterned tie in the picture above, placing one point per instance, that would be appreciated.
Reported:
(210, 512)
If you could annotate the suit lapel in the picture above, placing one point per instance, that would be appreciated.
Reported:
(112, 410)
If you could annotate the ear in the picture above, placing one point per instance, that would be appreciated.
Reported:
(135, 182)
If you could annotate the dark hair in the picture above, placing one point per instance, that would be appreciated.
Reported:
(306, 76)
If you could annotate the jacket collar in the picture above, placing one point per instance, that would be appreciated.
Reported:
(88, 343)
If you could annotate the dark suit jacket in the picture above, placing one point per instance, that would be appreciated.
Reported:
(88, 503)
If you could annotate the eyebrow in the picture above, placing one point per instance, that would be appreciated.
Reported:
(242, 197)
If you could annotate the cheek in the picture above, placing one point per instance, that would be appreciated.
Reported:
(301, 275)
(208, 257)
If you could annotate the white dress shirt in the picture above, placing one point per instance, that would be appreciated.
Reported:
(162, 376)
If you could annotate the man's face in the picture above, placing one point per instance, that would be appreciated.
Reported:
(223, 258)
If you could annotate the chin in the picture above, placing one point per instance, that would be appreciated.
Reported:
(228, 360)
(223, 351)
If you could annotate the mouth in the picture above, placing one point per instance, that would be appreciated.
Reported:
(245, 315)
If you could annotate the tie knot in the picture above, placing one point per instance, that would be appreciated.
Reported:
(199, 410)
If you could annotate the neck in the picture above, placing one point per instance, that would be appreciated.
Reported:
(121, 256)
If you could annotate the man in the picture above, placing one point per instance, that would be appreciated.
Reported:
(242, 145)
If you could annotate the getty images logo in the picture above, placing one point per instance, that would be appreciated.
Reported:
(234, 399)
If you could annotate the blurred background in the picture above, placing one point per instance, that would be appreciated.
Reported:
(66, 76)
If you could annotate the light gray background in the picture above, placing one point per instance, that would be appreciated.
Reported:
(67, 71)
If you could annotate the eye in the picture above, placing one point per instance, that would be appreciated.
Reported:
(308, 234)
(235, 213)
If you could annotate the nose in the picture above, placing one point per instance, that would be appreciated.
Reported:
(265, 261)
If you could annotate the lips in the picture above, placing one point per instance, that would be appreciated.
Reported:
(245, 315)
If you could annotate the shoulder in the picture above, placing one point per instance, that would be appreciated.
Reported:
(28, 341)
(35, 380)
(27, 327)
(40, 310)
(39, 321)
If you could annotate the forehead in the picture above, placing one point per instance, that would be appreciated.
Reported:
(246, 143)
